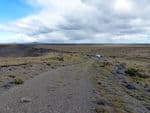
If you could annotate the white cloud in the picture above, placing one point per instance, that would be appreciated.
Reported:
(123, 6)
(12, 38)
(83, 21)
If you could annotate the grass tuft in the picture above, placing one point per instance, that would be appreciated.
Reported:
(19, 81)
(99, 109)
(132, 72)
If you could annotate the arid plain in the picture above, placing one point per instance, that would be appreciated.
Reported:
(42, 78)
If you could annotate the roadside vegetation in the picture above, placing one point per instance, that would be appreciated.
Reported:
(19, 81)
(121, 87)
(47, 58)
(16, 70)
(121, 77)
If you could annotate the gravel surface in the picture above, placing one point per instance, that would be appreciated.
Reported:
(63, 90)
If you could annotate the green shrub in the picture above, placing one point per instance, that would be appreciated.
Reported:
(135, 73)
(19, 81)
(132, 72)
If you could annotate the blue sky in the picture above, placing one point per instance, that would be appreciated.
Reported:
(75, 21)
(11, 10)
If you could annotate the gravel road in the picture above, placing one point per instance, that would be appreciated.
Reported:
(63, 90)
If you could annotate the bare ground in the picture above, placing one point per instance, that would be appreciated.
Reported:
(64, 90)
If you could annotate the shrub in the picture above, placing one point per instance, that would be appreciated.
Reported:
(101, 110)
(18, 81)
(135, 73)
(48, 64)
(12, 76)
(60, 58)
(103, 64)
(132, 72)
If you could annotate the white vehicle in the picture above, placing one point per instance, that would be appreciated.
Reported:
(98, 56)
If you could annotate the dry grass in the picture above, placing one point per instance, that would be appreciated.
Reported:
(108, 86)
(49, 58)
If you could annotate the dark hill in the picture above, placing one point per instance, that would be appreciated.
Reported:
(21, 51)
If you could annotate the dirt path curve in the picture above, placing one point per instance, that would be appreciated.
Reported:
(64, 90)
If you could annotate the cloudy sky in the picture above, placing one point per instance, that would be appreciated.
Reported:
(75, 21)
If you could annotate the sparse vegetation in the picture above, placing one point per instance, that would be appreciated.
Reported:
(104, 64)
(136, 74)
(132, 72)
(19, 81)
(60, 58)
(121, 90)
(99, 109)
(11, 76)
(110, 86)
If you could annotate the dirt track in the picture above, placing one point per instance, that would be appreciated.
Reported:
(64, 90)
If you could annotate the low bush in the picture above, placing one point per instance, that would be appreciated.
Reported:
(19, 81)
(104, 64)
(136, 73)
(101, 110)
(132, 72)
(60, 58)
(12, 76)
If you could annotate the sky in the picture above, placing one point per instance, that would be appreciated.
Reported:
(75, 21)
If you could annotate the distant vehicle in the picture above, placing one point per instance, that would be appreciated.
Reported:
(98, 56)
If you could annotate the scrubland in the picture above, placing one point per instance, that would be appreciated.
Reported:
(120, 78)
